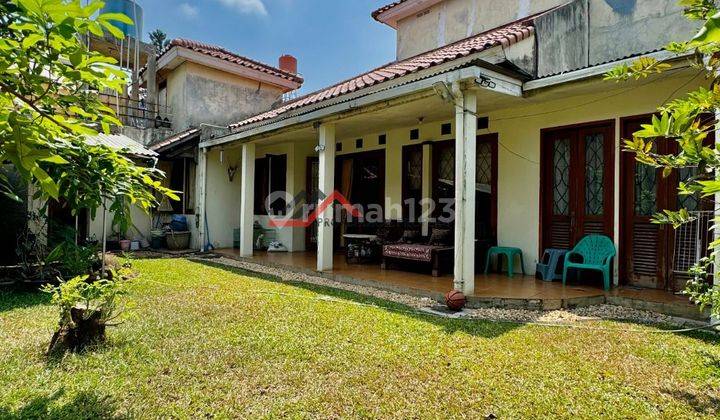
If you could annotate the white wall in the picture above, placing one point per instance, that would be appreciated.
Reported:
(518, 131)
(223, 197)
(141, 221)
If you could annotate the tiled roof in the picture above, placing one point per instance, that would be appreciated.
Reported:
(174, 139)
(385, 8)
(505, 36)
(120, 142)
(223, 54)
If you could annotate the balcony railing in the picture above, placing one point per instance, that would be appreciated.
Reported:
(138, 113)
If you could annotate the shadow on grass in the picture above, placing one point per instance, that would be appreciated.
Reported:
(705, 405)
(478, 328)
(703, 335)
(12, 299)
(84, 405)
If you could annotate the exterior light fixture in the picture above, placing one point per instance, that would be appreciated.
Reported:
(485, 81)
(320, 148)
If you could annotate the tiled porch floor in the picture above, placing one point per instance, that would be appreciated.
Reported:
(492, 286)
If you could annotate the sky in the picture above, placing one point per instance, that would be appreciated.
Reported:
(332, 39)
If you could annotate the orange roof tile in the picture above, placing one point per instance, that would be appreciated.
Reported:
(505, 36)
(223, 54)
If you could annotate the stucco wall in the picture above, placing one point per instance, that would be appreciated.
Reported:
(585, 32)
(175, 93)
(141, 221)
(621, 28)
(453, 20)
(199, 94)
(223, 197)
(562, 39)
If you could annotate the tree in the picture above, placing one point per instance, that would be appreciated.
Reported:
(688, 121)
(49, 105)
(159, 39)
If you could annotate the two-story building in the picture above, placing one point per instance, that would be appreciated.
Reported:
(495, 112)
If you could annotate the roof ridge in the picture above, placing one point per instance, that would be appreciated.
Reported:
(383, 9)
(504, 35)
(206, 47)
(523, 22)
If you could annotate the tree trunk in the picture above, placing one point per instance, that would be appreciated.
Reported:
(85, 330)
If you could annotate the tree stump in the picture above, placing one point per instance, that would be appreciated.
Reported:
(87, 328)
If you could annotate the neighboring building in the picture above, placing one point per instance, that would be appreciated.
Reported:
(532, 154)
(208, 87)
(187, 92)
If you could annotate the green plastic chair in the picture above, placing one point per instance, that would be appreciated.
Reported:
(597, 253)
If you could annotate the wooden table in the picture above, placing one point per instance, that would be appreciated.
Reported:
(361, 249)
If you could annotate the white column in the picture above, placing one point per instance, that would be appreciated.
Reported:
(247, 200)
(426, 186)
(465, 152)
(201, 187)
(617, 214)
(326, 152)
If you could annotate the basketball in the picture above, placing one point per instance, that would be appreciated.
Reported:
(455, 300)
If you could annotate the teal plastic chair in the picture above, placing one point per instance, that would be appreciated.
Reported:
(597, 253)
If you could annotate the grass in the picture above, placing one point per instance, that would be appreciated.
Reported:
(209, 341)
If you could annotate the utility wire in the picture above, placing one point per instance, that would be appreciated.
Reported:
(666, 75)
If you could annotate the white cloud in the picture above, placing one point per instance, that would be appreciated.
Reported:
(246, 6)
(188, 10)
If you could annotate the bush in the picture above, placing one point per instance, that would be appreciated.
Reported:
(74, 259)
(86, 305)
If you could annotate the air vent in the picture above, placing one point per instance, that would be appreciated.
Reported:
(483, 123)
(446, 129)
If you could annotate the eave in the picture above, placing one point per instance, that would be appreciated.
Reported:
(178, 55)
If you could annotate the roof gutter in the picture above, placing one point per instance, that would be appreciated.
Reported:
(595, 71)
(503, 84)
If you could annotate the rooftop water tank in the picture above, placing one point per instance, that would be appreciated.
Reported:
(132, 10)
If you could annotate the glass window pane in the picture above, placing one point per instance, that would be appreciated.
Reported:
(688, 202)
(483, 166)
(594, 169)
(561, 177)
(645, 190)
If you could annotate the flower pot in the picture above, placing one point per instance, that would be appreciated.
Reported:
(125, 245)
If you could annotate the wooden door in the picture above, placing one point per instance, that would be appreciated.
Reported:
(412, 179)
(647, 247)
(577, 183)
(486, 179)
(649, 250)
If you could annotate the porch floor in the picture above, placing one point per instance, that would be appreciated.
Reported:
(490, 290)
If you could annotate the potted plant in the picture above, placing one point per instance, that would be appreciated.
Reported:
(120, 228)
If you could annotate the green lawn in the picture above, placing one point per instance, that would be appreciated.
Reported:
(206, 341)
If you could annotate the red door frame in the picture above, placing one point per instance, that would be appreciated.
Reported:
(608, 218)
(627, 210)
(665, 196)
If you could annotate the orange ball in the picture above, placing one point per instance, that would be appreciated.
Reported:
(455, 300)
